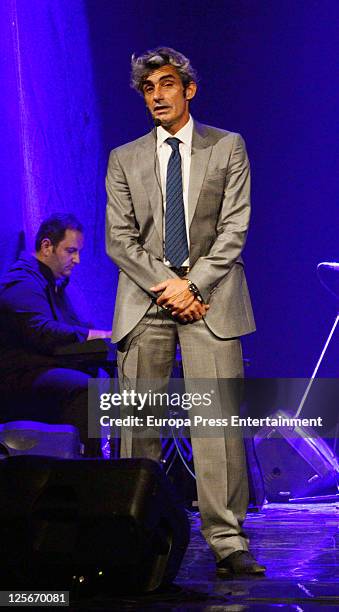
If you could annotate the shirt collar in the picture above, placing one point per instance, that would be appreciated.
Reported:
(56, 283)
(45, 271)
(185, 134)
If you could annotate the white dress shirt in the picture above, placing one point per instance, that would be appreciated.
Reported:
(164, 151)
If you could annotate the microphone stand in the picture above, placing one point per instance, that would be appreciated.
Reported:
(308, 388)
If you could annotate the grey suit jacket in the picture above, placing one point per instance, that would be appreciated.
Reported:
(219, 212)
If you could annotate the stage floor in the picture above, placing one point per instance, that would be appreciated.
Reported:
(296, 542)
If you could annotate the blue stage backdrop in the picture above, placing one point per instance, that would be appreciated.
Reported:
(267, 69)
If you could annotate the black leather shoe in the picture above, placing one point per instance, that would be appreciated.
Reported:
(239, 562)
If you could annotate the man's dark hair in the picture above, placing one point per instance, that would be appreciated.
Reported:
(54, 228)
(143, 65)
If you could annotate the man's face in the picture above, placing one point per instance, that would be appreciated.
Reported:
(65, 255)
(166, 99)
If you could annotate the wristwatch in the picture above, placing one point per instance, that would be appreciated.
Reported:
(194, 289)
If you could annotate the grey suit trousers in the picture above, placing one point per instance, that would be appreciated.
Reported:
(148, 352)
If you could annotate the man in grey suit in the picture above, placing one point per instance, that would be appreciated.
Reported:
(177, 216)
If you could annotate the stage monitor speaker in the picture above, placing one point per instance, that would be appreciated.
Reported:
(35, 438)
(295, 465)
(88, 526)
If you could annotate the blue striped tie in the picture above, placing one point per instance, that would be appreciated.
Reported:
(176, 247)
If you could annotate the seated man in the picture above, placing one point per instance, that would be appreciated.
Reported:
(36, 317)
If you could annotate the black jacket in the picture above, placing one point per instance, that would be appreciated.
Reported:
(36, 316)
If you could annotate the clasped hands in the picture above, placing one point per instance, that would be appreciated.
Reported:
(179, 301)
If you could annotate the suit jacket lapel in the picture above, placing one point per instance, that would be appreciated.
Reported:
(201, 152)
(148, 159)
